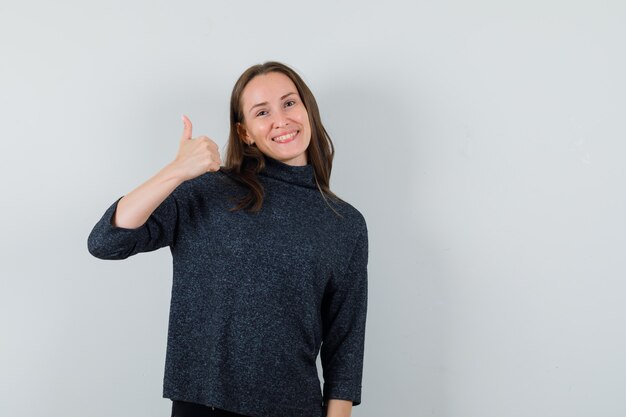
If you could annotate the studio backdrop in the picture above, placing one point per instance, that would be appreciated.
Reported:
(483, 141)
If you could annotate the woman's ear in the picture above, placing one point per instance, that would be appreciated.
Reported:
(243, 134)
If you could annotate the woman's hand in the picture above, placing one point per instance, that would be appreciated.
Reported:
(196, 156)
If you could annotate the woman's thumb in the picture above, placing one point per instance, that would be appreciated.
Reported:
(186, 128)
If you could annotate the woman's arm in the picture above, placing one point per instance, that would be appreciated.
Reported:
(339, 408)
(146, 219)
(344, 312)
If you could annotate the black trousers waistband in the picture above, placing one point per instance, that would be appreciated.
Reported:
(187, 409)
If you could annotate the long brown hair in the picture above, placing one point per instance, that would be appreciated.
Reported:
(246, 161)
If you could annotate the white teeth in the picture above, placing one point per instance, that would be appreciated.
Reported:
(284, 137)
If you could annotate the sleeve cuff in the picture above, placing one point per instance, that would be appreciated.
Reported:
(350, 392)
(107, 241)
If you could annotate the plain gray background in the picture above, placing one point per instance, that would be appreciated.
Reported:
(483, 141)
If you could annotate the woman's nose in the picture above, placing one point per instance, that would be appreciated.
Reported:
(280, 120)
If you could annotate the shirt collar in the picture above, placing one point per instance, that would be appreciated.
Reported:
(303, 175)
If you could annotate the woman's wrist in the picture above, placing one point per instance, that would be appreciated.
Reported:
(339, 408)
(173, 171)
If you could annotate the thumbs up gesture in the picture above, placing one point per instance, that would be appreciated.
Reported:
(196, 156)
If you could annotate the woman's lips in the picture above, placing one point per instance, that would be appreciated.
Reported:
(289, 137)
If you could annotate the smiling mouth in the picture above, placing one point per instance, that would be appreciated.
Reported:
(286, 138)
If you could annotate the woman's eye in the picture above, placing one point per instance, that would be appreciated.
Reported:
(261, 113)
(290, 103)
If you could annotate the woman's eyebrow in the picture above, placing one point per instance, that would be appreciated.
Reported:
(265, 102)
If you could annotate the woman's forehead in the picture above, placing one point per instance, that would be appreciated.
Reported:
(265, 87)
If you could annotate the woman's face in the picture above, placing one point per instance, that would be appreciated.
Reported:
(275, 118)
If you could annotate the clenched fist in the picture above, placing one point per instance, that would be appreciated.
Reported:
(196, 156)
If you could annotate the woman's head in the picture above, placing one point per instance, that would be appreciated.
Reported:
(269, 103)
(273, 117)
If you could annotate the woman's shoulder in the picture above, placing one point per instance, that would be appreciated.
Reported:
(348, 213)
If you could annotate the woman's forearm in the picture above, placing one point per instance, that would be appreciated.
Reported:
(135, 207)
(339, 408)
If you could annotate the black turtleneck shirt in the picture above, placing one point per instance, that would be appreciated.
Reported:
(257, 296)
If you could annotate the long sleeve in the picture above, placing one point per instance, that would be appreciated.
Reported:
(344, 311)
(107, 241)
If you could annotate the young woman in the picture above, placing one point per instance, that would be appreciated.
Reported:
(269, 266)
